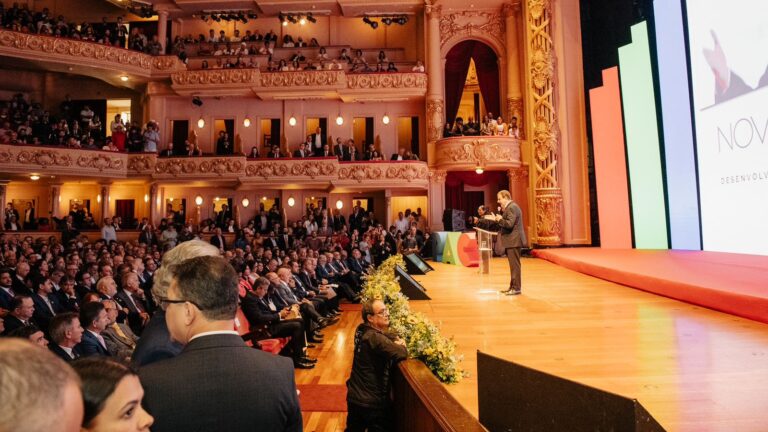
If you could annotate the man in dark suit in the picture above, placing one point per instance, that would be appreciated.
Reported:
(263, 309)
(400, 155)
(217, 382)
(22, 309)
(19, 283)
(66, 334)
(131, 297)
(218, 240)
(46, 304)
(340, 150)
(29, 221)
(318, 140)
(301, 152)
(93, 318)
(147, 236)
(6, 290)
(512, 238)
(285, 241)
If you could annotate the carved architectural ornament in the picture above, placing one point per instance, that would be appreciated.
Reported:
(216, 76)
(141, 163)
(267, 170)
(43, 158)
(435, 116)
(313, 169)
(546, 137)
(87, 50)
(302, 78)
(176, 167)
(360, 172)
(379, 172)
(482, 151)
(407, 172)
(438, 176)
(470, 23)
(100, 162)
(433, 10)
(515, 108)
(220, 166)
(518, 174)
(386, 80)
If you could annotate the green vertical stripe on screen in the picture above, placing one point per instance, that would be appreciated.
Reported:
(649, 220)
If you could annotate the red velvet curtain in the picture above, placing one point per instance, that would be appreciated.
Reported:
(456, 67)
(457, 198)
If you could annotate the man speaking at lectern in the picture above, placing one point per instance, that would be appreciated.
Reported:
(512, 237)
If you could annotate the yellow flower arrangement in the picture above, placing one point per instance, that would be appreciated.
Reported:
(422, 337)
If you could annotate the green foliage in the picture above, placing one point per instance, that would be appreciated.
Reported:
(421, 336)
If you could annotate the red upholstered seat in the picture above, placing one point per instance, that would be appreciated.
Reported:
(257, 338)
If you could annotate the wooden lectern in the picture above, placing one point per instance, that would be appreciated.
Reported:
(485, 244)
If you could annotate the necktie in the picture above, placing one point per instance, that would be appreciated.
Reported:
(101, 341)
(122, 335)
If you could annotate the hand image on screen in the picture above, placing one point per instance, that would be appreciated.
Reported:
(719, 64)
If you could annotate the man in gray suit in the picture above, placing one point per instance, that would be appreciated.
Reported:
(120, 340)
(217, 383)
(512, 237)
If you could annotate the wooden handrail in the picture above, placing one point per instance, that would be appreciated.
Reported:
(423, 404)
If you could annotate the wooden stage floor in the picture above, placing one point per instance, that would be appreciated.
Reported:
(693, 369)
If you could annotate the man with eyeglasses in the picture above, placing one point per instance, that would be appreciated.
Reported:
(217, 382)
(368, 387)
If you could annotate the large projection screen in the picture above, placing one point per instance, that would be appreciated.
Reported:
(729, 75)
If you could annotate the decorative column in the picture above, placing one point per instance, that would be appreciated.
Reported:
(544, 127)
(55, 200)
(162, 28)
(3, 190)
(104, 192)
(435, 103)
(514, 87)
(153, 190)
(436, 198)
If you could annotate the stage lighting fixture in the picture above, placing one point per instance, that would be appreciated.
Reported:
(302, 20)
(197, 101)
(311, 19)
(292, 19)
(204, 17)
(386, 20)
(252, 15)
(216, 18)
(226, 17)
(370, 22)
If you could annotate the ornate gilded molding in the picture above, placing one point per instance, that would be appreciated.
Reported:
(472, 23)
(200, 166)
(514, 7)
(267, 170)
(546, 137)
(175, 167)
(302, 78)
(386, 80)
(221, 166)
(519, 174)
(313, 169)
(100, 162)
(138, 164)
(407, 172)
(433, 10)
(435, 116)
(360, 172)
(438, 176)
(216, 76)
(44, 158)
(26, 43)
(478, 151)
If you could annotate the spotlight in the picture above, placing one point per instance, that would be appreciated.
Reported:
(386, 20)
(402, 20)
(197, 101)
(204, 17)
(123, 78)
(292, 19)
(302, 21)
(34, 177)
(216, 18)
(226, 17)
(285, 23)
(311, 19)
(252, 15)
(370, 22)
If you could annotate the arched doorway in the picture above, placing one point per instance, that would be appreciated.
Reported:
(457, 65)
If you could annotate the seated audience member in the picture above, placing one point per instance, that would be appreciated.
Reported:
(66, 334)
(120, 339)
(112, 397)
(261, 308)
(131, 297)
(168, 152)
(40, 393)
(254, 152)
(419, 67)
(155, 343)
(301, 152)
(368, 388)
(32, 334)
(93, 318)
(399, 156)
(217, 382)
(22, 308)
(275, 152)
(391, 67)
(46, 304)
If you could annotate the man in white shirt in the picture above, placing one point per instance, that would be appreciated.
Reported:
(108, 232)
(401, 223)
(66, 333)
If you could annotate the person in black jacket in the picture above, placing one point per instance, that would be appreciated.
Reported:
(368, 387)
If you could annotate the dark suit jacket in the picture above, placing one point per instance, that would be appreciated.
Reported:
(258, 312)
(145, 238)
(90, 346)
(283, 244)
(511, 227)
(297, 153)
(43, 315)
(395, 156)
(63, 354)
(12, 323)
(340, 152)
(218, 383)
(5, 299)
(155, 343)
(219, 244)
(134, 310)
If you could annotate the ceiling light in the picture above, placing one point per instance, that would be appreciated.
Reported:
(123, 78)
(339, 120)
(264, 198)
(34, 177)
(385, 119)
(285, 23)
(479, 170)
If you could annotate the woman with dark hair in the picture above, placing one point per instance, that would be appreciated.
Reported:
(112, 396)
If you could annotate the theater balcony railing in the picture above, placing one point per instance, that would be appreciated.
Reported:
(87, 58)
(467, 153)
(67, 163)
(322, 84)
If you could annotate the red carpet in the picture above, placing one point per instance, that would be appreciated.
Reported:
(323, 397)
(732, 283)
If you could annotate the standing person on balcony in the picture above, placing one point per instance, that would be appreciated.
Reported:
(376, 351)
(318, 141)
(118, 132)
(223, 144)
(151, 137)
(86, 115)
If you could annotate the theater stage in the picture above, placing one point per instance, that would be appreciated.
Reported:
(694, 369)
